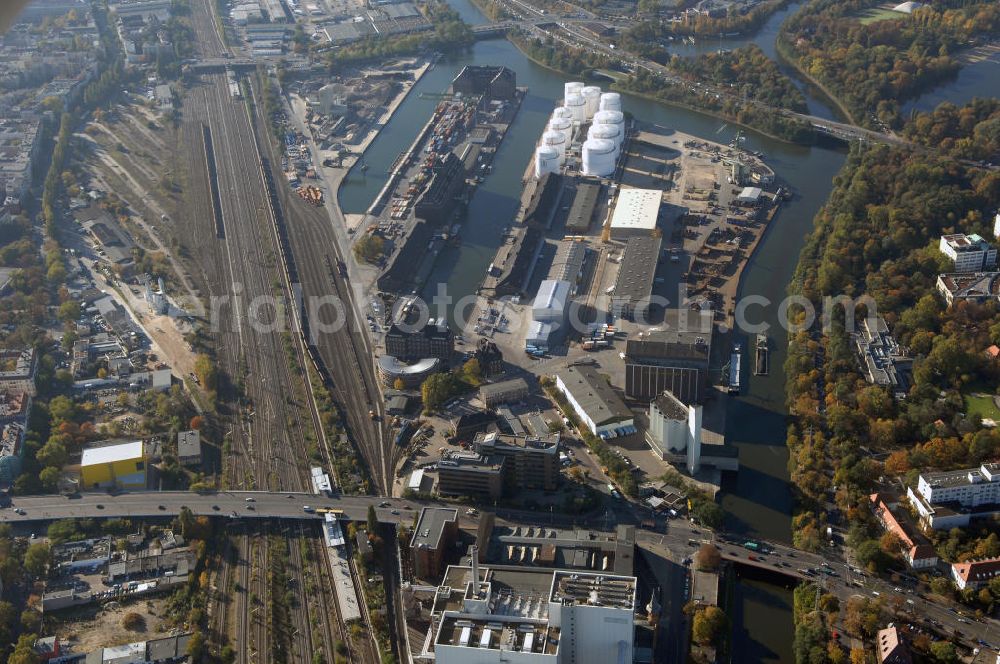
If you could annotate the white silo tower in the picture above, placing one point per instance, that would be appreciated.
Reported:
(610, 101)
(572, 88)
(576, 104)
(564, 125)
(598, 157)
(556, 140)
(592, 99)
(547, 160)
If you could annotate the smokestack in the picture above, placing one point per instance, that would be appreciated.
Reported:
(474, 550)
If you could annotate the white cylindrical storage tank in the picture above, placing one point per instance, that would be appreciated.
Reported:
(610, 117)
(606, 133)
(592, 99)
(563, 125)
(598, 157)
(577, 106)
(610, 101)
(547, 160)
(556, 140)
(562, 112)
(572, 88)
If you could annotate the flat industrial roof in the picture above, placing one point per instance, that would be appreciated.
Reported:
(637, 209)
(111, 453)
(638, 268)
(594, 394)
(430, 525)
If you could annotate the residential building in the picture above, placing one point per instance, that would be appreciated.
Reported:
(11, 451)
(189, 447)
(596, 404)
(973, 574)
(468, 473)
(675, 428)
(116, 464)
(431, 340)
(883, 361)
(530, 462)
(950, 499)
(14, 406)
(978, 287)
(47, 648)
(891, 648)
(917, 551)
(437, 528)
(531, 616)
(391, 369)
(969, 253)
(635, 214)
(508, 391)
(17, 370)
(634, 285)
(674, 358)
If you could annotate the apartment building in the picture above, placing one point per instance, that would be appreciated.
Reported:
(950, 499)
(969, 253)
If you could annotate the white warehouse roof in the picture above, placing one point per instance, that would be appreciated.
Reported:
(111, 453)
(750, 194)
(637, 209)
(552, 296)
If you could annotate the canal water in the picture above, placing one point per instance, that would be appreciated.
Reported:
(758, 500)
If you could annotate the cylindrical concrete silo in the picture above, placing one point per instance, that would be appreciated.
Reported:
(556, 140)
(564, 125)
(547, 160)
(610, 101)
(598, 157)
(592, 99)
(576, 104)
(572, 88)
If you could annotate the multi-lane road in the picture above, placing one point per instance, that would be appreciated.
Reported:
(675, 540)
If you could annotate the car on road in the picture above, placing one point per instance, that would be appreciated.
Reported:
(395, 512)
(251, 508)
(307, 509)
(250, 500)
(384, 503)
(99, 506)
(215, 507)
(162, 508)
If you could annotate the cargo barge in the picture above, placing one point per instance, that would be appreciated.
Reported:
(761, 363)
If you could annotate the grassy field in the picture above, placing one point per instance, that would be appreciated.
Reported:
(873, 14)
(982, 405)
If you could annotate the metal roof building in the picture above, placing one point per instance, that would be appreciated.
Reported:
(595, 402)
(636, 211)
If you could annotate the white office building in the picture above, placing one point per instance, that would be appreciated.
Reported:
(675, 428)
(531, 615)
(970, 253)
(950, 499)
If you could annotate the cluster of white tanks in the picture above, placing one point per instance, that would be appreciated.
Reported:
(600, 151)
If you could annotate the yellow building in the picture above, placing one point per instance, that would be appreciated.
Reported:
(121, 465)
